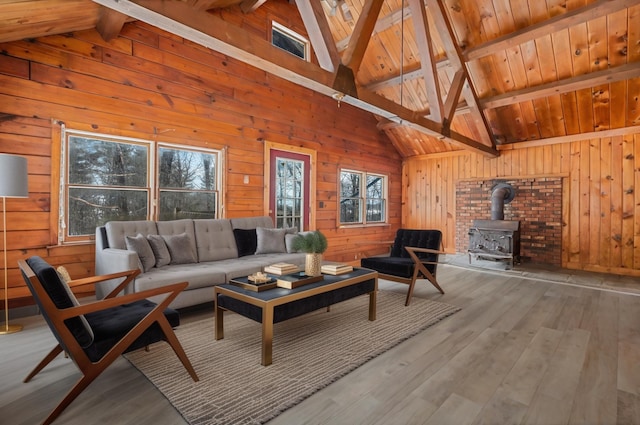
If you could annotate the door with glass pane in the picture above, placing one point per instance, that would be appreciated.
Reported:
(289, 189)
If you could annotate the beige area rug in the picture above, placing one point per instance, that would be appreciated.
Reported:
(309, 352)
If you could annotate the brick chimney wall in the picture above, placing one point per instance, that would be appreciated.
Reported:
(537, 205)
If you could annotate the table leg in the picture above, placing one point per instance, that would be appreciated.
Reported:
(372, 305)
(267, 335)
(219, 328)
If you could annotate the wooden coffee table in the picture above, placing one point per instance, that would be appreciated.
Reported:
(279, 304)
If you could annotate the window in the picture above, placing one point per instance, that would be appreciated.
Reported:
(363, 198)
(289, 40)
(108, 178)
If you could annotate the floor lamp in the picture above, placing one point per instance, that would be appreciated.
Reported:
(13, 184)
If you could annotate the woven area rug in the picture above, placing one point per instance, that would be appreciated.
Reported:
(309, 352)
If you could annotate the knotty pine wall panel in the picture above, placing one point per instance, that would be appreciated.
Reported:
(152, 85)
(601, 197)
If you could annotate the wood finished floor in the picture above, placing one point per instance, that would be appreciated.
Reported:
(520, 351)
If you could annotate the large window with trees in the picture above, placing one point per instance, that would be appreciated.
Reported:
(363, 198)
(108, 178)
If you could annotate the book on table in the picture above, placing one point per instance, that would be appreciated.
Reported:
(293, 280)
(336, 269)
(281, 268)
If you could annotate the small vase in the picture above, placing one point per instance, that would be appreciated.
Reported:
(312, 264)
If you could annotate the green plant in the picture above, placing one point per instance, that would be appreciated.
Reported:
(310, 242)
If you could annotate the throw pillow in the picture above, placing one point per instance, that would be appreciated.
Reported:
(246, 241)
(160, 250)
(270, 240)
(180, 249)
(289, 236)
(140, 246)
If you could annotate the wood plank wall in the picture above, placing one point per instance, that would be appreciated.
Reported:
(601, 195)
(152, 85)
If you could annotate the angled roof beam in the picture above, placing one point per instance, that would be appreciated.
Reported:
(592, 11)
(213, 32)
(352, 57)
(315, 21)
(382, 24)
(427, 60)
(411, 72)
(109, 23)
(249, 6)
(585, 81)
(451, 104)
(438, 12)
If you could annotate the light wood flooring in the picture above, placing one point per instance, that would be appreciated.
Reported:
(520, 351)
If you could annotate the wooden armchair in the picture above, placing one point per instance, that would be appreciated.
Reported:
(95, 334)
(414, 255)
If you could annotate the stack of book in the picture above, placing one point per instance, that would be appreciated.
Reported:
(281, 268)
(293, 280)
(336, 269)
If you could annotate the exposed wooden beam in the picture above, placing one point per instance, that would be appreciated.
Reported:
(352, 57)
(411, 72)
(443, 26)
(202, 4)
(249, 6)
(110, 23)
(453, 96)
(382, 24)
(594, 10)
(315, 21)
(613, 132)
(593, 79)
(397, 113)
(213, 32)
(427, 58)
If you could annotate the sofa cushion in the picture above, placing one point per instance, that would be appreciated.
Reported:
(140, 246)
(252, 222)
(270, 240)
(246, 241)
(179, 247)
(177, 227)
(215, 240)
(197, 275)
(117, 230)
(160, 250)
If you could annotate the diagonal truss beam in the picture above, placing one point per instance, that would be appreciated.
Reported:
(315, 21)
(352, 57)
(213, 32)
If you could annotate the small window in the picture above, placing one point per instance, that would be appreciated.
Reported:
(363, 198)
(289, 40)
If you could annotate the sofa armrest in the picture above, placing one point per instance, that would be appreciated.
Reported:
(113, 260)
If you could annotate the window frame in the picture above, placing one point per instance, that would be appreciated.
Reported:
(363, 199)
(153, 189)
(291, 34)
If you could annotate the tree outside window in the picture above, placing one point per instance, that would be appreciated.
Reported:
(109, 179)
(362, 197)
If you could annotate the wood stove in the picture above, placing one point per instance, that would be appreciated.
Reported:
(495, 239)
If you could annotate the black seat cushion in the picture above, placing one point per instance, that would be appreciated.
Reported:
(110, 325)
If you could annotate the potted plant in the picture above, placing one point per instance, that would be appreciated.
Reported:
(314, 244)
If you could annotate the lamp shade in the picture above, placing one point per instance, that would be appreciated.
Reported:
(13, 176)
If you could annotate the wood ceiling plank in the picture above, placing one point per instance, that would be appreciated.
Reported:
(574, 17)
(586, 80)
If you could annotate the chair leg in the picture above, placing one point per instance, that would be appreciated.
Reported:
(48, 358)
(177, 348)
(71, 395)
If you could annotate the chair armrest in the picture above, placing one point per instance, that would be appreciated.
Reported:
(425, 250)
(173, 290)
(129, 275)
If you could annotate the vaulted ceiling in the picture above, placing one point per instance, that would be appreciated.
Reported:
(439, 75)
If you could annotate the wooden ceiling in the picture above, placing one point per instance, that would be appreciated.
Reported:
(440, 75)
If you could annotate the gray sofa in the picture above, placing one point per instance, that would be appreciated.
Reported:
(203, 252)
